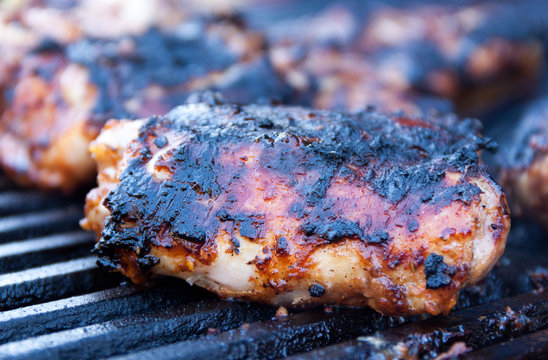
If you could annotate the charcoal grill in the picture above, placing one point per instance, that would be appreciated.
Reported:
(56, 303)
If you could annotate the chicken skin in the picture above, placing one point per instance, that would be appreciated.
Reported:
(479, 55)
(59, 95)
(295, 207)
(524, 174)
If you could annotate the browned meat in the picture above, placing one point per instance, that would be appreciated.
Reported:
(60, 93)
(525, 165)
(478, 55)
(292, 206)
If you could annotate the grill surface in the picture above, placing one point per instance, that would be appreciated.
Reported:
(57, 304)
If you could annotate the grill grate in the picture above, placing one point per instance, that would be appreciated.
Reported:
(57, 304)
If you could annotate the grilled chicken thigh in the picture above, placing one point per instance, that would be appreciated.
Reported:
(344, 80)
(525, 165)
(292, 206)
(322, 65)
(59, 95)
(479, 55)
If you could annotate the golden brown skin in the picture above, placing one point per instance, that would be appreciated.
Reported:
(43, 131)
(478, 55)
(524, 173)
(60, 90)
(294, 207)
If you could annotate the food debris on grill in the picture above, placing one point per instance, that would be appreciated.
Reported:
(338, 188)
(281, 313)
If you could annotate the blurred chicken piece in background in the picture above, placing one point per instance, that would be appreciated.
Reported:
(479, 55)
(59, 90)
(524, 161)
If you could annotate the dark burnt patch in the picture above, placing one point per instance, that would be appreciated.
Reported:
(438, 274)
(235, 245)
(147, 262)
(378, 237)
(413, 225)
(160, 142)
(205, 191)
(282, 246)
(124, 69)
(316, 290)
(251, 228)
(249, 225)
(334, 231)
(47, 45)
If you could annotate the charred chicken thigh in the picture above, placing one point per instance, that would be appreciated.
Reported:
(524, 174)
(58, 96)
(323, 66)
(478, 54)
(292, 206)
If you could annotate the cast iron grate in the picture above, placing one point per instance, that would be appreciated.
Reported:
(55, 303)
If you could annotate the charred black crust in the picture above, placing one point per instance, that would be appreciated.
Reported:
(334, 231)
(147, 262)
(47, 45)
(121, 68)
(413, 225)
(316, 290)
(160, 142)
(438, 274)
(282, 246)
(379, 237)
(145, 210)
(235, 245)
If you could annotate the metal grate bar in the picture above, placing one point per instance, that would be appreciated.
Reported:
(137, 332)
(5, 183)
(532, 346)
(477, 327)
(93, 308)
(20, 255)
(52, 282)
(276, 338)
(42, 223)
(510, 277)
(15, 202)
(307, 331)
